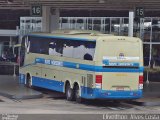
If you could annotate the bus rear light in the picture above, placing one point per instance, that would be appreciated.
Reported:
(98, 81)
(140, 82)
(140, 79)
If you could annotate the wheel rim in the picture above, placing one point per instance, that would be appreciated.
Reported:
(29, 82)
(68, 93)
(77, 93)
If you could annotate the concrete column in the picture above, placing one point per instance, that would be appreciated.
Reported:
(131, 23)
(50, 19)
(1, 48)
(121, 26)
(54, 19)
(46, 19)
(10, 41)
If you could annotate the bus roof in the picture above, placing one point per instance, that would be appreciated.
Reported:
(88, 35)
(74, 32)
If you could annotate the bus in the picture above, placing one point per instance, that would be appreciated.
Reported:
(83, 64)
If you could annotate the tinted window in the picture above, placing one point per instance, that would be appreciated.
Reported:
(56, 47)
(60, 47)
(84, 50)
(38, 45)
(68, 49)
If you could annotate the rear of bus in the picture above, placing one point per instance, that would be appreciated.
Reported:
(120, 75)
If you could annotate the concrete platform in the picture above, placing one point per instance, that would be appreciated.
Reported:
(9, 87)
(151, 95)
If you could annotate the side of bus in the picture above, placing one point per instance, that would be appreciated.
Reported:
(97, 68)
(62, 64)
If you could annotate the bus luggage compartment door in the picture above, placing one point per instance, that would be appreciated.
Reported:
(87, 84)
(120, 81)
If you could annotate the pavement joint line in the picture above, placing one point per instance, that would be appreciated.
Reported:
(5, 99)
(136, 106)
(16, 100)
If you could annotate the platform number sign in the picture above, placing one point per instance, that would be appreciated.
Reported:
(36, 10)
(139, 12)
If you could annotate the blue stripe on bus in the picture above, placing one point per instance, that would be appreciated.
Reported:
(94, 93)
(61, 37)
(48, 84)
(86, 92)
(88, 67)
(130, 64)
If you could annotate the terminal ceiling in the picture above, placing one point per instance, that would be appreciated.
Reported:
(150, 5)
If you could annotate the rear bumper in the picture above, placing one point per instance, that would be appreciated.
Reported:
(108, 94)
(118, 94)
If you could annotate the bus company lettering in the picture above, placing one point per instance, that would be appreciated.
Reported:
(56, 63)
(53, 62)
(48, 62)
(120, 64)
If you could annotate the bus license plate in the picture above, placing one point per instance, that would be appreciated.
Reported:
(120, 88)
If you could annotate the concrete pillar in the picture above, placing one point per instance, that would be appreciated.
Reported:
(121, 26)
(10, 41)
(45, 19)
(131, 23)
(50, 19)
(54, 19)
(1, 48)
(142, 28)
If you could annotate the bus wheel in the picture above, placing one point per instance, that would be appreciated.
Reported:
(69, 92)
(77, 95)
(29, 83)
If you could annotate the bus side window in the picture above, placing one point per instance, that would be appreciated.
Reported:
(89, 50)
(59, 46)
(78, 50)
(44, 46)
(88, 57)
(56, 47)
(68, 49)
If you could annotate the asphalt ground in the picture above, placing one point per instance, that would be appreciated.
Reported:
(10, 87)
(54, 103)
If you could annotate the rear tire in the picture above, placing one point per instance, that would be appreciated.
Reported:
(77, 95)
(69, 92)
(29, 82)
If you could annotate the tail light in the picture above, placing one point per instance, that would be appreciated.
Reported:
(98, 81)
(140, 79)
(140, 82)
